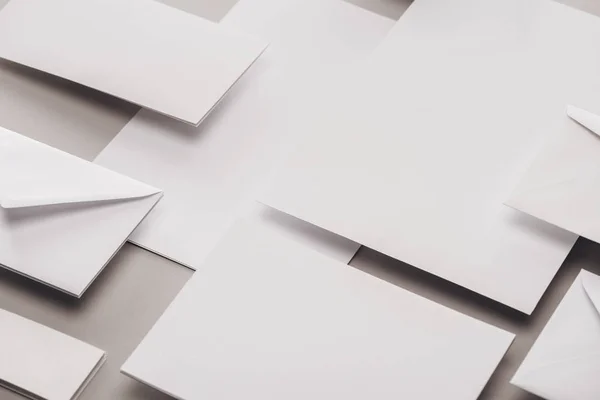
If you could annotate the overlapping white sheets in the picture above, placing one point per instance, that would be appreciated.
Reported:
(562, 186)
(142, 51)
(564, 362)
(44, 364)
(438, 129)
(62, 219)
(210, 174)
(267, 318)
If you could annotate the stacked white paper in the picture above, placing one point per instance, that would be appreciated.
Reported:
(62, 218)
(564, 362)
(44, 364)
(438, 129)
(142, 51)
(267, 318)
(211, 174)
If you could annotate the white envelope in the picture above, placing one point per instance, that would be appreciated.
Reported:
(564, 362)
(267, 318)
(415, 154)
(562, 186)
(141, 51)
(211, 173)
(63, 218)
(44, 364)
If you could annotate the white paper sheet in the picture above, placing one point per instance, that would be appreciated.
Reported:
(267, 318)
(564, 362)
(438, 129)
(63, 218)
(142, 51)
(211, 173)
(41, 363)
(562, 186)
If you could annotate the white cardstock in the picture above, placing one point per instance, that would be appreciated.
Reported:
(211, 174)
(44, 364)
(141, 51)
(267, 318)
(416, 153)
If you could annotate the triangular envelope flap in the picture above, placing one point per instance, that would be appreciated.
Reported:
(576, 379)
(572, 334)
(33, 174)
(567, 156)
(587, 119)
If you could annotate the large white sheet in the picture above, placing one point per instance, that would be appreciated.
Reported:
(210, 174)
(267, 318)
(437, 130)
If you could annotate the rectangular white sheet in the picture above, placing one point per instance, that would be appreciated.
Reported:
(267, 318)
(210, 174)
(41, 363)
(142, 51)
(416, 155)
(62, 219)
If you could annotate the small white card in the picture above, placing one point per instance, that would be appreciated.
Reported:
(141, 51)
(267, 318)
(44, 364)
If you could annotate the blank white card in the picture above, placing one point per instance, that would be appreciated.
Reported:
(267, 318)
(41, 363)
(142, 51)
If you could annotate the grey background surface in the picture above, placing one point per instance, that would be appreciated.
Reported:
(137, 286)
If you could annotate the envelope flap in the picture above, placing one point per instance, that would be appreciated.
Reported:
(33, 174)
(569, 379)
(567, 158)
(562, 186)
(564, 362)
(587, 119)
(591, 285)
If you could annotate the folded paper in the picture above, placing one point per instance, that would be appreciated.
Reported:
(564, 362)
(43, 364)
(438, 127)
(63, 218)
(141, 51)
(267, 318)
(562, 186)
(211, 173)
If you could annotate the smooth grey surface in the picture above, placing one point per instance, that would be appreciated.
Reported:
(137, 286)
